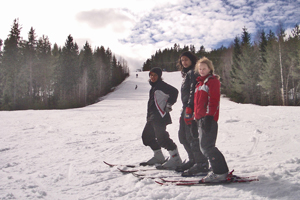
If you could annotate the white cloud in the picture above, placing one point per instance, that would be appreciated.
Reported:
(117, 19)
(135, 29)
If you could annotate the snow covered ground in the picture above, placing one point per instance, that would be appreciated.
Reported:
(59, 154)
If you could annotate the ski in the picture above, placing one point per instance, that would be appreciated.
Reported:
(114, 165)
(231, 179)
(143, 176)
(125, 171)
(134, 168)
(143, 164)
(197, 183)
(178, 181)
(165, 177)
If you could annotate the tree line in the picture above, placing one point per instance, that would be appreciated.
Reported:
(262, 71)
(35, 75)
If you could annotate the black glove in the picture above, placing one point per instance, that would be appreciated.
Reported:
(194, 129)
(206, 124)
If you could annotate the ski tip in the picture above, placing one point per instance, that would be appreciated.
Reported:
(111, 165)
(127, 171)
(160, 183)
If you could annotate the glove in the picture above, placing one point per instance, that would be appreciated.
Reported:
(168, 107)
(188, 117)
(206, 124)
(194, 129)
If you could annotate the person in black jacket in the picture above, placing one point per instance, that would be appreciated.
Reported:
(197, 162)
(161, 98)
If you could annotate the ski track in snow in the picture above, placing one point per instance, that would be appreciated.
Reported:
(58, 154)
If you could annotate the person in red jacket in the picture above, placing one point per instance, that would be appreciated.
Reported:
(206, 113)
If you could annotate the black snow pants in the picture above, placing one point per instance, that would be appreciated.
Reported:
(156, 136)
(208, 147)
(190, 143)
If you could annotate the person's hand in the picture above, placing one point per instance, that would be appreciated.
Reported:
(168, 107)
(188, 117)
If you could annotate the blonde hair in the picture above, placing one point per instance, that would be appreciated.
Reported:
(207, 62)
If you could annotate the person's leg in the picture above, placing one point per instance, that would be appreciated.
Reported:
(183, 134)
(207, 145)
(201, 165)
(162, 136)
(164, 140)
(148, 137)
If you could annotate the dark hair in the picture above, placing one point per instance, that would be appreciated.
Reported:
(190, 55)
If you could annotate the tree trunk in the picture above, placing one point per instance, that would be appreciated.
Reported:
(281, 73)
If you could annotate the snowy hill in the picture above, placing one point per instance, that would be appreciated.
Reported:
(58, 154)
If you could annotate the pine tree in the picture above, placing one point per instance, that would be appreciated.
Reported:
(44, 73)
(10, 67)
(270, 74)
(68, 74)
(245, 74)
(114, 71)
(30, 61)
(147, 65)
(293, 64)
(87, 86)
(235, 89)
(102, 65)
(262, 45)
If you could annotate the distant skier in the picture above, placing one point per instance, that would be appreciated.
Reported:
(136, 76)
(197, 162)
(136, 87)
(161, 98)
(206, 108)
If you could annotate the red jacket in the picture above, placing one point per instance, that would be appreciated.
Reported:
(207, 97)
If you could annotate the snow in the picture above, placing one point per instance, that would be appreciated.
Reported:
(59, 154)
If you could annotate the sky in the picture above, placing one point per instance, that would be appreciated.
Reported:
(136, 29)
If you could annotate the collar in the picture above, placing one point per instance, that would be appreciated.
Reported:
(202, 78)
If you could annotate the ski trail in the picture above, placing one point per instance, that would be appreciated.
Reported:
(255, 140)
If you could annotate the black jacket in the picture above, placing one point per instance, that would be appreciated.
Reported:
(152, 112)
(188, 89)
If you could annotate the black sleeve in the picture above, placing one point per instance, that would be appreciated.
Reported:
(172, 92)
(192, 77)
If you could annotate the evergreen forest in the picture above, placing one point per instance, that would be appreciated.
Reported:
(36, 75)
(264, 70)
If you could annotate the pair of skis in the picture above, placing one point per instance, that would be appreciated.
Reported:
(166, 179)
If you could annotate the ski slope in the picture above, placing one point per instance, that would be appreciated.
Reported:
(59, 154)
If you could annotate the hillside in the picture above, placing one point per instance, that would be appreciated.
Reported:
(59, 154)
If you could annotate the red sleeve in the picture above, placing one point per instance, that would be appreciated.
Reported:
(214, 94)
